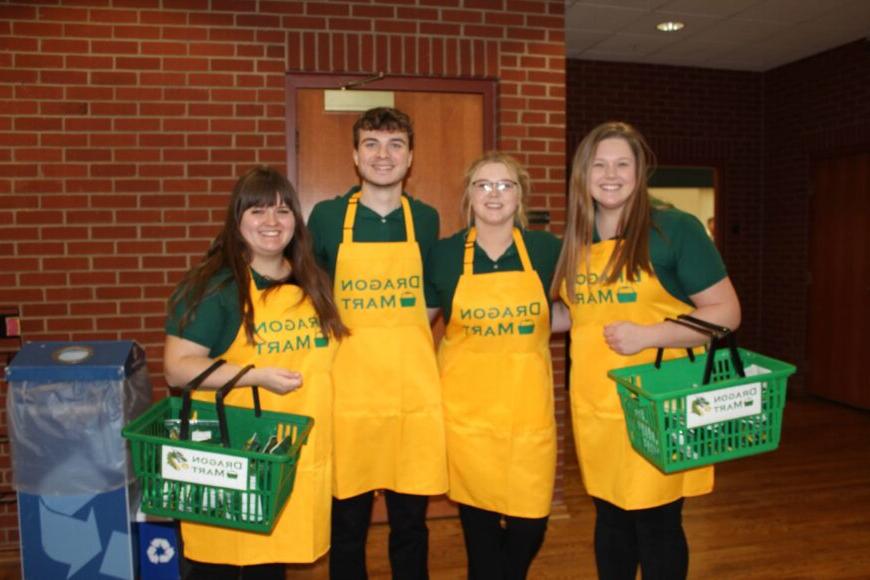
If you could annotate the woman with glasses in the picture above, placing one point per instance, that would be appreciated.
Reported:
(490, 281)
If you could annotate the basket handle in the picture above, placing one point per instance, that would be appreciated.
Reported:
(185, 396)
(221, 409)
(720, 337)
(184, 415)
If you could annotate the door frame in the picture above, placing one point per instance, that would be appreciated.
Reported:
(487, 87)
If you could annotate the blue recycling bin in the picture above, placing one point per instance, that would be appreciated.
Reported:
(66, 406)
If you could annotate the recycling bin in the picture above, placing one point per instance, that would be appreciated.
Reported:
(66, 406)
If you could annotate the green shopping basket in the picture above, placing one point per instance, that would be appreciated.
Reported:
(219, 484)
(695, 411)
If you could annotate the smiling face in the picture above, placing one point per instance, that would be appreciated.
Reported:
(382, 158)
(612, 176)
(495, 193)
(267, 230)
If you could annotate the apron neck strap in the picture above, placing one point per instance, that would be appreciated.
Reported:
(350, 218)
(468, 258)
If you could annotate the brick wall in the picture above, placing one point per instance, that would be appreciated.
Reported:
(123, 124)
(815, 108)
(693, 117)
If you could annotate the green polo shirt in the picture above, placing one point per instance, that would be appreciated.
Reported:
(326, 223)
(683, 256)
(444, 266)
(217, 319)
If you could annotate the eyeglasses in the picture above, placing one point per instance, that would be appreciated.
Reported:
(503, 186)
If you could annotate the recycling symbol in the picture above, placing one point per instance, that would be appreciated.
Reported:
(160, 551)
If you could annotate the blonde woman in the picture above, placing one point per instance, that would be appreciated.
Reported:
(625, 266)
(490, 282)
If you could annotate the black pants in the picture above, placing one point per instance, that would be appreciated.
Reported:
(500, 547)
(409, 536)
(652, 538)
(203, 571)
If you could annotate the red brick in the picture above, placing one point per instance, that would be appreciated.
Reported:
(91, 248)
(439, 29)
(40, 248)
(63, 45)
(40, 29)
(43, 279)
(26, 60)
(114, 47)
(93, 308)
(65, 264)
(418, 14)
(29, 311)
(173, 169)
(25, 92)
(113, 232)
(135, 155)
(39, 217)
(137, 185)
(230, 35)
(188, 34)
(87, 185)
(69, 324)
(484, 31)
(138, 216)
(119, 322)
(166, 48)
(282, 7)
(63, 14)
(19, 264)
(258, 20)
(167, 17)
(66, 232)
(89, 93)
(167, 262)
(115, 263)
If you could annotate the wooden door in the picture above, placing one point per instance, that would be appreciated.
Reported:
(448, 136)
(839, 290)
(449, 133)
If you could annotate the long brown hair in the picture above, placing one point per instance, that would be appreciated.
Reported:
(523, 182)
(259, 187)
(632, 245)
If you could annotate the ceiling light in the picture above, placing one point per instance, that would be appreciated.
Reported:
(670, 26)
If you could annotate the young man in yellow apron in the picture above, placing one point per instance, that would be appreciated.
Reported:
(389, 432)
(625, 266)
(489, 281)
(287, 331)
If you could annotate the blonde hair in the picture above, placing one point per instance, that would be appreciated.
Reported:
(523, 181)
(632, 245)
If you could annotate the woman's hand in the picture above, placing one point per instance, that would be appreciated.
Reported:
(278, 381)
(560, 317)
(627, 338)
(183, 360)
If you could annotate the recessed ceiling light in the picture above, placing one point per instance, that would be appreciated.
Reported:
(670, 26)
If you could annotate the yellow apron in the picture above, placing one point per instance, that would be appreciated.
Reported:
(389, 428)
(611, 469)
(290, 339)
(497, 382)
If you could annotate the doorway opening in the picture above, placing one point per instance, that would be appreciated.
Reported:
(690, 189)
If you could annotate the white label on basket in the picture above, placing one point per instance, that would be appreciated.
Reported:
(725, 404)
(202, 467)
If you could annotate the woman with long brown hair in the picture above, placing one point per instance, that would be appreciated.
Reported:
(626, 264)
(258, 297)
